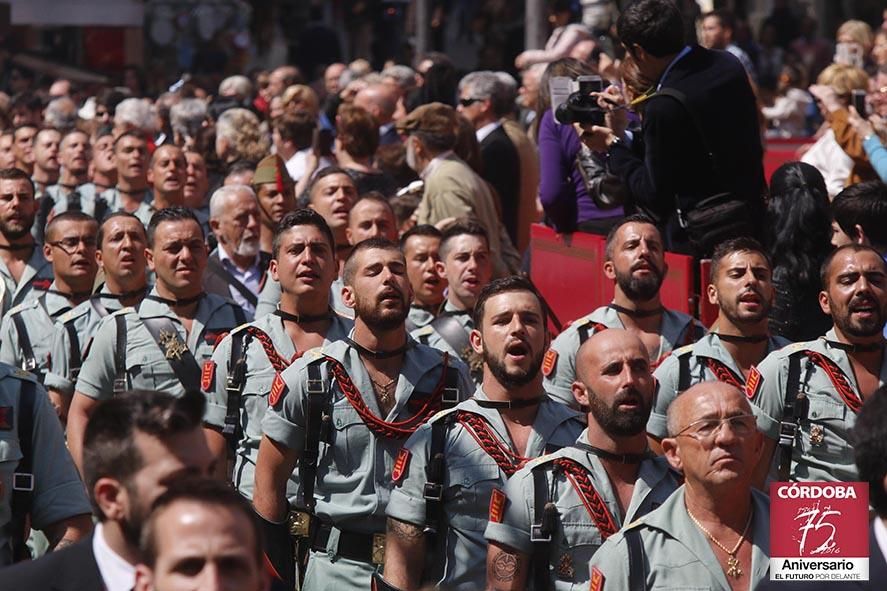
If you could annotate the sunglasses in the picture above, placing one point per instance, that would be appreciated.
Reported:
(467, 102)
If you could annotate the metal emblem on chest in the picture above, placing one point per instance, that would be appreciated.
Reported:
(565, 568)
(817, 434)
(172, 346)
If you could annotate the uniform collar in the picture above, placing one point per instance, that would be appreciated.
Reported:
(673, 327)
(710, 346)
(840, 357)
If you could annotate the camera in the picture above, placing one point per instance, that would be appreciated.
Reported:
(581, 107)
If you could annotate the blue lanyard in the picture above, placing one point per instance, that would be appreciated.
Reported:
(677, 58)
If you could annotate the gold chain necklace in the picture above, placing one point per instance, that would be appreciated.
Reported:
(384, 390)
(733, 569)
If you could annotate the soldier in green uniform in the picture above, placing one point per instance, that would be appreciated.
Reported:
(275, 194)
(421, 248)
(809, 393)
(121, 256)
(132, 192)
(466, 264)
(561, 507)
(635, 262)
(741, 286)
(713, 532)
(24, 272)
(167, 341)
(35, 469)
(27, 329)
(342, 412)
(451, 472)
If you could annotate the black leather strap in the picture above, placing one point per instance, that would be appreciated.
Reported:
(120, 355)
(23, 479)
(314, 425)
(637, 570)
(234, 390)
(24, 342)
(76, 359)
(539, 532)
(794, 410)
(183, 364)
(683, 372)
(352, 545)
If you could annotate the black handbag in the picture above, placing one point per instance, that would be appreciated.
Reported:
(715, 218)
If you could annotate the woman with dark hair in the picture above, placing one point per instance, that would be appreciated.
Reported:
(357, 141)
(798, 233)
(567, 169)
(439, 85)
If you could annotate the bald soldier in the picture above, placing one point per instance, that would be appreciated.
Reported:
(713, 532)
(547, 533)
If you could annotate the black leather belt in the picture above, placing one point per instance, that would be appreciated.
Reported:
(369, 548)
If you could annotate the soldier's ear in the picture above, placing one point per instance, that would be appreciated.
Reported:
(580, 393)
(272, 269)
(348, 296)
(47, 252)
(441, 269)
(670, 451)
(824, 303)
(149, 258)
(609, 270)
(477, 341)
(712, 292)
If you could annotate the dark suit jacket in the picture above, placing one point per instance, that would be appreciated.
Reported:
(389, 137)
(215, 281)
(502, 171)
(673, 160)
(71, 569)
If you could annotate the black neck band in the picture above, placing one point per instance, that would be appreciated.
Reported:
(174, 303)
(511, 404)
(378, 354)
(121, 296)
(136, 192)
(608, 455)
(14, 247)
(75, 295)
(735, 338)
(636, 313)
(302, 318)
(851, 348)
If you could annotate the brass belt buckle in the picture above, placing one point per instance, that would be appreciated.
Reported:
(379, 549)
(298, 522)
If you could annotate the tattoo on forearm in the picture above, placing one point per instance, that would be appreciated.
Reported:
(504, 567)
(403, 530)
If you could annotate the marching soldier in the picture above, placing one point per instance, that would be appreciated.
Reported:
(713, 532)
(809, 393)
(421, 249)
(132, 193)
(167, 341)
(39, 485)
(73, 191)
(741, 286)
(246, 361)
(276, 196)
(121, 256)
(24, 272)
(341, 412)
(449, 476)
(27, 329)
(561, 507)
(635, 262)
(465, 262)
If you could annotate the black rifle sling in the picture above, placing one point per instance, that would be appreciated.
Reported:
(182, 361)
(314, 425)
(795, 409)
(23, 478)
(24, 342)
(75, 357)
(120, 354)
(683, 372)
(637, 570)
(540, 532)
(234, 390)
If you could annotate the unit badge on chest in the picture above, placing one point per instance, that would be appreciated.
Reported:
(817, 434)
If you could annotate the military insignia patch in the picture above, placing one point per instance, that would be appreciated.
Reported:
(817, 435)
(497, 506)
(565, 568)
(277, 389)
(753, 383)
(400, 465)
(207, 375)
(173, 347)
(597, 580)
(41, 284)
(549, 362)
(6, 418)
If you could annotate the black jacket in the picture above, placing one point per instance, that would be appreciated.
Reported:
(70, 569)
(674, 161)
(502, 171)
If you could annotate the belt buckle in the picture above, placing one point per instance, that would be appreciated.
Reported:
(787, 433)
(378, 556)
(536, 534)
(299, 523)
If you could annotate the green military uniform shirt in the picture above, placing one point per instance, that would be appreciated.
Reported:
(458, 561)
(258, 377)
(822, 449)
(697, 358)
(354, 465)
(146, 366)
(419, 317)
(35, 279)
(85, 199)
(85, 319)
(576, 537)
(143, 212)
(58, 491)
(269, 298)
(38, 316)
(677, 329)
(678, 555)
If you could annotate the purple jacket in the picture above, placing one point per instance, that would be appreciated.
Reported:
(561, 187)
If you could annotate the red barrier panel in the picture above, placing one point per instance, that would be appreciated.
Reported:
(569, 272)
(780, 151)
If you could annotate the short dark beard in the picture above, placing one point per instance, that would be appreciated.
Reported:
(869, 329)
(131, 524)
(640, 290)
(615, 423)
(512, 380)
(15, 234)
(375, 319)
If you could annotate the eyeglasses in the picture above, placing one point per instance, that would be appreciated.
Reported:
(69, 244)
(707, 429)
(467, 102)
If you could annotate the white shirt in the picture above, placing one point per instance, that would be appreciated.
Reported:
(834, 164)
(296, 164)
(249, 277)
(486, 130)
(117, 573)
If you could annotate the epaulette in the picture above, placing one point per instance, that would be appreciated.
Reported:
(544, 458)
(441, 414)
(72, 314)
(579, 323)
(794, 348)
(125, 310)
(680, 351)
(426, 330)
(23, 306)
(23, 374)
(239, 328)
(635, 523)
(315, 354)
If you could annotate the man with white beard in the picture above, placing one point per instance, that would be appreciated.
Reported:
(236, 268)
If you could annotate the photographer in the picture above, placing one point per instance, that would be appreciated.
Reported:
(701, 173)
(563, 189)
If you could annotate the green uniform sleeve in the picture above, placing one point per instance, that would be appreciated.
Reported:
(96, 378)
(514, 530)
(9, 342)
(559, 382)
(217, 396)
(284, 422)
(611, 560)
(768, 395)
(58, 375)
(667, 376)
(407, 502)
